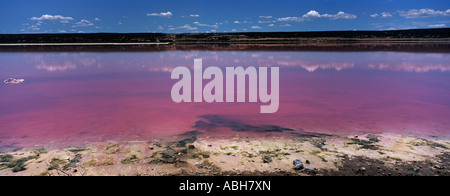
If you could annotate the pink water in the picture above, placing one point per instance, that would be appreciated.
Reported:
(69, 98)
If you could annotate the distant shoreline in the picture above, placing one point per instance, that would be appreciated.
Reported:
(312, 37)
(243, 42)
(405, 46)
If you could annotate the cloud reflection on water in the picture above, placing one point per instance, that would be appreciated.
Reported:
(308, 61)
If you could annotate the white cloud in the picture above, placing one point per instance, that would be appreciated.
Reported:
(386, 15)
(194, 15)
(97, 19)
(83, 23)
(374, 15)
(256, 27)
(382, 15)
(266, 21)
(423, 13)
(206, 25)
(437, 26)
(270, 25)
(266, 17)
(285, 25)
(51, 17)
(241, 22)
(162, 14)
(188, 27)
(34, 28)
(343, 15)
(291, 19)
(314, 14)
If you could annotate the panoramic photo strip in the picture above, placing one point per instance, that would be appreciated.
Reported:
(224, 88)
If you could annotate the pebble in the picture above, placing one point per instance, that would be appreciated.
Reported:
(298, 165)
(439, 161)
(151, 147)
(362, 169)
(307, 162)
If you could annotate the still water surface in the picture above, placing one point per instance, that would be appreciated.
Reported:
(69, 98)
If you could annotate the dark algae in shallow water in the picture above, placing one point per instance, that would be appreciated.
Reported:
(16, 164)
(131, 159)
(218, 121)
(364, 144)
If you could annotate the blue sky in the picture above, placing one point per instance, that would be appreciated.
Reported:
(182, 16)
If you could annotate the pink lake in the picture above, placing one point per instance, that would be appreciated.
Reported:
(69, 98)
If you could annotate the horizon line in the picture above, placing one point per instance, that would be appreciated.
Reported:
(62, 33)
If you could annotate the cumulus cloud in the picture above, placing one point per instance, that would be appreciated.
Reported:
(83, 23)
(386, 15)
(314, 14)
(285, 25)
(437, 26)
(423, 13)
(342, 15)
(51, 17)
(382, 15)
(188, 27)
(266, 17)
(256, 27)
(162, 14)
(266, 21)
(339, 15)
(34, 28)
(240, 22)
(291, 19)
(97, 19)
(194, 15)
(48, 17)
(206, 25)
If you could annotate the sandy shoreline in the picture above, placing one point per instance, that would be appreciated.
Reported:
(199, 154)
